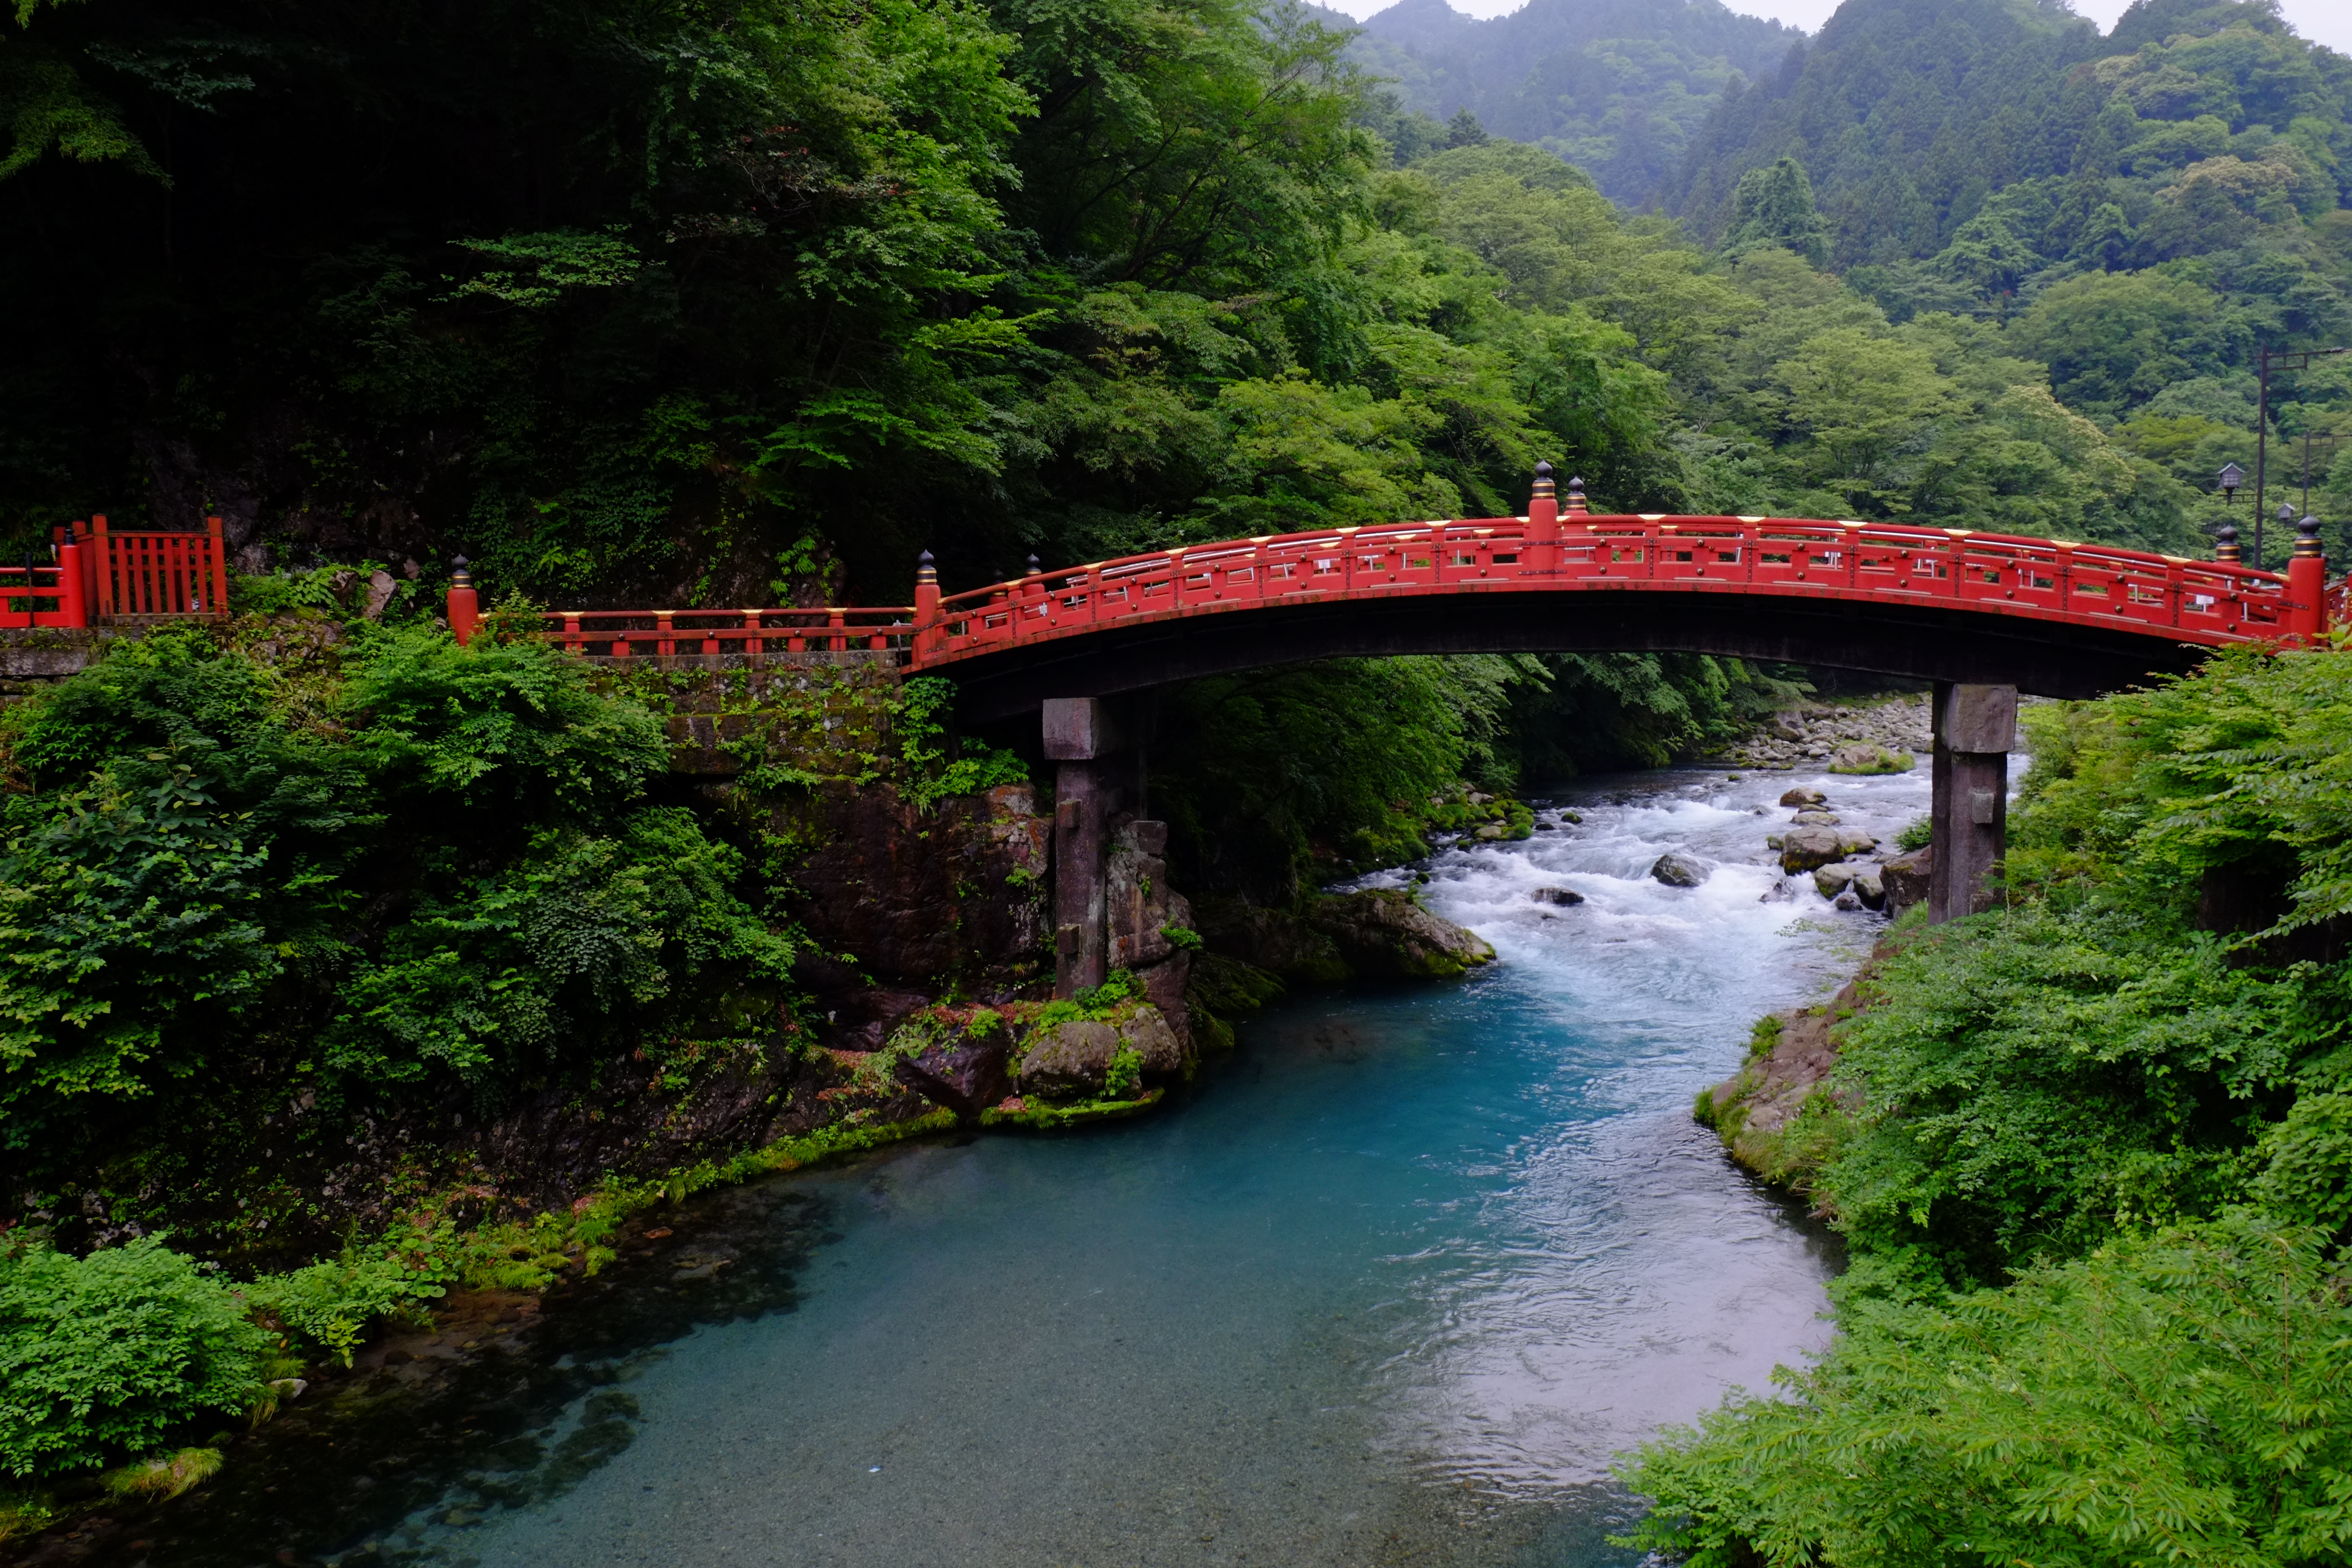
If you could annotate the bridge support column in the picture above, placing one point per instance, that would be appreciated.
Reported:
(1968, 817)
(1081, 735)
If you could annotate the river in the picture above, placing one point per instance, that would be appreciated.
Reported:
(1390, 1284)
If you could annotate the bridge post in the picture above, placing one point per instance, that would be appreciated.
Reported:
(464, 605)
(1542, 550)
(2306, 582)
(1969, 811)
(1080, 735)
(927, 605)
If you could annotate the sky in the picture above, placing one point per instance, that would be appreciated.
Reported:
(2327, 22)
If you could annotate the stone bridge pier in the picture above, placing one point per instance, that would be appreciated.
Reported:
(1111, 900)
(1968, 813)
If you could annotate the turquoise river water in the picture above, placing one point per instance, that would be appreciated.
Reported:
(1390, 1284)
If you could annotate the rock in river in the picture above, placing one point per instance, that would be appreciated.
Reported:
(966, 1072)
(1383, 935)
(1557, 896)
(1802, 848)
(1802, 796)
(1679, 870)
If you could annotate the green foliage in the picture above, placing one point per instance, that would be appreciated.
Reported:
(1281, 769)
(928, 775)
(1124, 1077)
(1773, 206)
(389, 865)
(1915, 834)
(332, 1303)
(2093, 1156)
(2179, 1397)
(101, 1356)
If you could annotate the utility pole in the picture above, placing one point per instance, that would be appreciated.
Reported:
(2267, 357)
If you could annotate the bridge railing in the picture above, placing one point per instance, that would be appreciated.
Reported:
(2204, 601)
(749, 635)
(38, 596)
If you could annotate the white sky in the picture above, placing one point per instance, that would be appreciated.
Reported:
(2327, 22)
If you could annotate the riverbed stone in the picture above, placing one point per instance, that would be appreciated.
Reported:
(1906, 878)
(1869, 886)
(1069, 1059)
(1854, 841)
(1832, 880)
(966, 1072)
(1803, 848)
(1381, 934)
(1145, 1031)
(1815, 819)
(1802, 795)
(1677, 870)
(1557, 896)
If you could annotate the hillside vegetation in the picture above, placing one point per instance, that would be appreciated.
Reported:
(2093, 1152)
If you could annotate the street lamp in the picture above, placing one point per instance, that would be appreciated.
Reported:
(2232, 478)
(2267, 358)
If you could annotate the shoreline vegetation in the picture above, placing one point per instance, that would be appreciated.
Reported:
(2090, 1156)
(339, 967)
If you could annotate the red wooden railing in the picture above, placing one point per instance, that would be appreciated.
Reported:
(753, 634)
(2211, 603)
(149, 574)
(2196, 600)
(38, 596)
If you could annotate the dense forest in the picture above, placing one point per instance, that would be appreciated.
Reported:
(2092, 1155)
(1618, 88)
(750, 302)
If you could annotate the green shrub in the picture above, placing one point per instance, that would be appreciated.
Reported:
(2184, 1397)
(101, 1356)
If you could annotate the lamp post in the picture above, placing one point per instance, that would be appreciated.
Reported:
(2266, 358)
(2233, 478)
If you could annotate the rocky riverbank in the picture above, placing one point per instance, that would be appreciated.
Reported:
(1881, 736)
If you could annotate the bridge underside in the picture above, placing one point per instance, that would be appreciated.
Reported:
(1922, 641)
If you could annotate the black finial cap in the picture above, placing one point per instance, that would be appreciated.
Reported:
(457, 572)
(924, 559)
(1543, 470)
(2307, 537)
(2225, 543)
(1034, 567)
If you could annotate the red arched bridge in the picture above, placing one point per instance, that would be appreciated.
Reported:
(2046, 616)
(1983, 616)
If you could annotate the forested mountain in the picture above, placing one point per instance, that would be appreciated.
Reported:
(2143, 210)
(1616, 86)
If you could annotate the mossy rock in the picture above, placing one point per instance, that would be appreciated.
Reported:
(1041, 1116)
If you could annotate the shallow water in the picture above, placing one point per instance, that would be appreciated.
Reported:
(1391, 1286)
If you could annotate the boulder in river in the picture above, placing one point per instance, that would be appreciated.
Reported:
(1802, 795)
(1802, 848)
(1815, 819)
(966, 1072)
(1869, 759)
(1068, 1059)
(1383, 934)
(1905, 878)
(1869, 886)
(1678, 870)
(1854, 841)
(1557, 896)
(1832, 880)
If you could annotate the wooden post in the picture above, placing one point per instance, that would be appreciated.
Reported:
(1540, 557)
(2306, 583)
(219, 566)
(73, 608)
(1968, 810)
(106, 601)
(465, 607)
(927, 607)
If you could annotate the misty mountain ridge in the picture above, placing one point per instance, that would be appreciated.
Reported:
(1619, 88)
